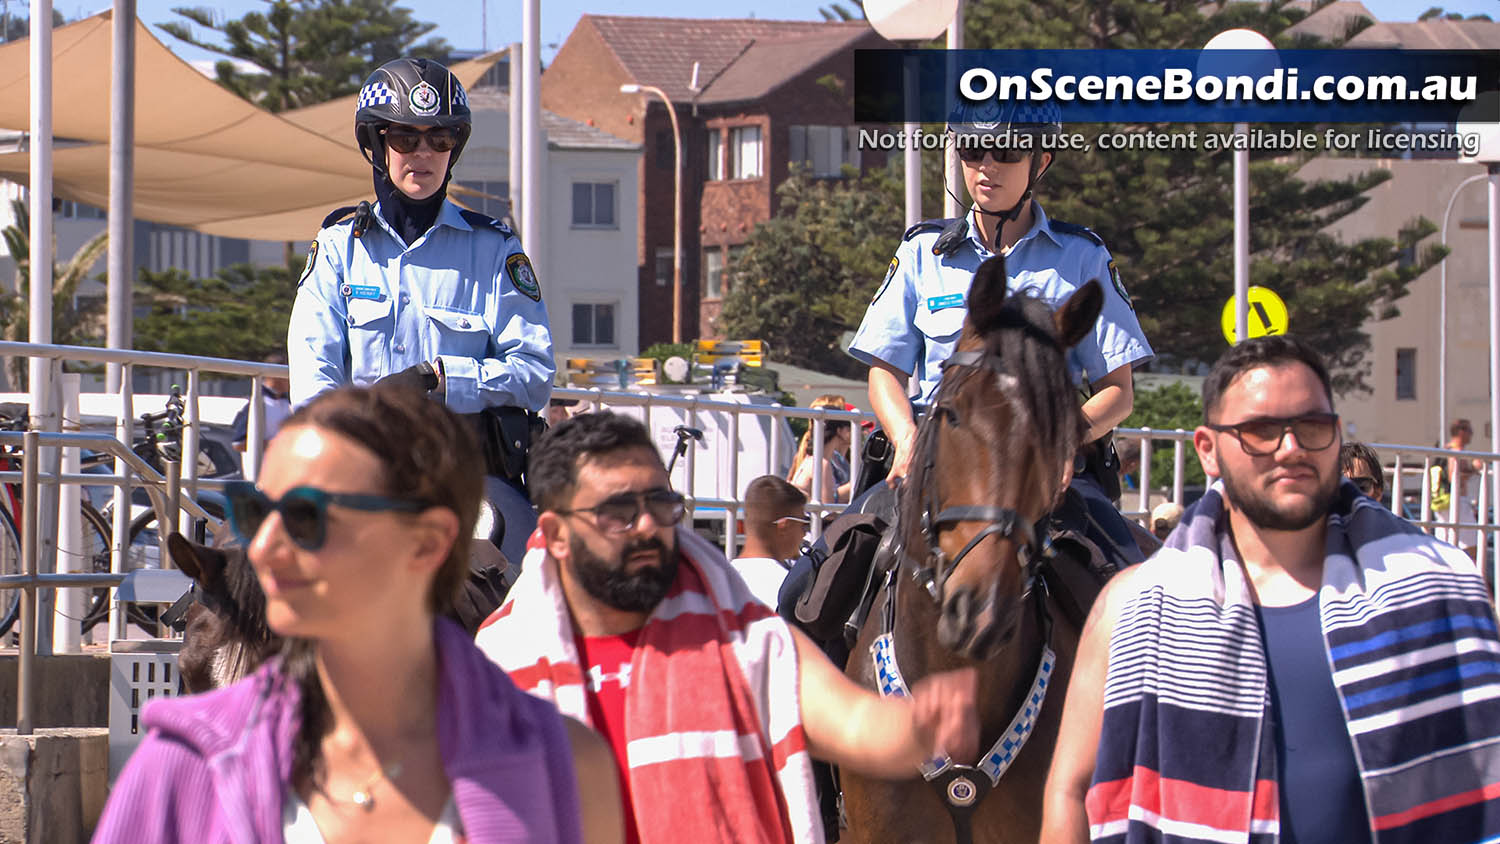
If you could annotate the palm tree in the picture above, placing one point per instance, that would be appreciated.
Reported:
(70, 323)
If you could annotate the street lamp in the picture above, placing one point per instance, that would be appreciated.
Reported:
(1241, 39)
(632, 88)
(1443, 310)
(914, 21)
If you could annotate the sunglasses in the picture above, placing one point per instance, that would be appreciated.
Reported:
(1366, 485)
(405, 141)
(618, 513)
(1261, 437)
(801, 520)
(976, 154)
(303, 509)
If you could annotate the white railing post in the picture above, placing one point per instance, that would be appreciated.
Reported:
(1145, 470)
(72, 556)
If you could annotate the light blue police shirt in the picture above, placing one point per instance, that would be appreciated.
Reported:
(916, 316)
(464, 294)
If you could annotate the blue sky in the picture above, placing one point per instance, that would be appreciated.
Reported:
(465, 23)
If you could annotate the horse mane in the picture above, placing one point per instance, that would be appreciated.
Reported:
(1032, 382)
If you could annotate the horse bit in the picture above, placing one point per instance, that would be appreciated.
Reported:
(963, 787)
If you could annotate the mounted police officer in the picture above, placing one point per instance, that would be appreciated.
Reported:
(913, 323)
(416, 290)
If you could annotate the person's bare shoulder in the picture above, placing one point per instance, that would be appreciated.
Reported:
(598, 784)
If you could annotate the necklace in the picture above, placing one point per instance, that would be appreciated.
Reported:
(362, 796)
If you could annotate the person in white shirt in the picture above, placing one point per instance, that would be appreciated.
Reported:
(775, 521)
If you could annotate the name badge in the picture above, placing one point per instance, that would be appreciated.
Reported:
(364, 291)
(937, 303)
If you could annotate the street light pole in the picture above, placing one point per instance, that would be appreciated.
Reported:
(630, 88)
(1443, 311)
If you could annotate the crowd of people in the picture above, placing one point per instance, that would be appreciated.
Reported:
(1296, 664)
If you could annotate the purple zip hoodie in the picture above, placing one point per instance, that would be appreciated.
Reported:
(213, 767)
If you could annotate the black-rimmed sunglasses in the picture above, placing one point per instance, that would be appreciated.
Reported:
(1261, 437)
(618, 513)
(405, 141)
(303, 509)
(976, 154)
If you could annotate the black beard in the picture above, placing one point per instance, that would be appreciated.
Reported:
(1263, 514)
(610, 584)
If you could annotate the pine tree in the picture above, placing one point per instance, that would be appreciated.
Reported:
(308, 51)
(242, 313)
(1165, 214)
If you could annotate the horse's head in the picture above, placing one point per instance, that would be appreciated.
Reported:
(991, 457)
(226, 636)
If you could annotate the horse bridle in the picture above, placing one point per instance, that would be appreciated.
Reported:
(961, 788)
(935, 569)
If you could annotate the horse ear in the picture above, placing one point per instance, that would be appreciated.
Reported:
(1076, 318)
(200, 562)
(987, 293)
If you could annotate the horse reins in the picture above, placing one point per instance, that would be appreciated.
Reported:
(962, 787)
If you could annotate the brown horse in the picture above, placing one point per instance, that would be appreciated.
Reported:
(967, 582)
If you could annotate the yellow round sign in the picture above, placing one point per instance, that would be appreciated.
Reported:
(1267, 315)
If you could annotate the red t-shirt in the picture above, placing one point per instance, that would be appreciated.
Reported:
(606, 668)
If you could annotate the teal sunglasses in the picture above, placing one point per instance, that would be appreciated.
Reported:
(303, 509)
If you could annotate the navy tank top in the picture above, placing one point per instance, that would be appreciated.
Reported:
(1321, 798)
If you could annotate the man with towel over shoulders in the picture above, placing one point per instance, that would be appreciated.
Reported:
(629, 621)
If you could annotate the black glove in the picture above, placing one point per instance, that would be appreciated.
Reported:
(421, 377)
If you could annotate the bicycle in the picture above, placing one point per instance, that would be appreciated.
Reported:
(96, 532)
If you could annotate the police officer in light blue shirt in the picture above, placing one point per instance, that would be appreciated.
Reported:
(415, 290)
(914, 320)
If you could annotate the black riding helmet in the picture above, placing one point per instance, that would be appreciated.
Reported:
(411, 92)
(992, 119)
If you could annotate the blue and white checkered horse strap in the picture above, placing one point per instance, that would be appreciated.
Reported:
(998, 760)
(376, 93)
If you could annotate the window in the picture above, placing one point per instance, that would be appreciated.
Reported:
(594, 324)
(666, 151)
(496, 199)
(68, 209)
(1406, 373)
(744, 152)
(715, 154)
(663, 266)
(594, 205)
(713, 272)
(823, 150)
(733, 276)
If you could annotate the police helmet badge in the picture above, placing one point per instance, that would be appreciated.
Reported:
(312, 255)
(889, 274)
(424, 99)
(1114, 276)
(518, 267)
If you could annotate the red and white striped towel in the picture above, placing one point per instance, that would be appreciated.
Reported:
(713, 717)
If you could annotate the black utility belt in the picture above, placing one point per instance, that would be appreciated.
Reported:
(505, 436)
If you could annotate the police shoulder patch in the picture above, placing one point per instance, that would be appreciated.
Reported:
(518, 267)
(1114, 276)
(889, 274)
(312, 256)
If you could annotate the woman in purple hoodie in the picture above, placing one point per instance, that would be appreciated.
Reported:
(379, 721)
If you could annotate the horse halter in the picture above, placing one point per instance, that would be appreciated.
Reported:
(1006, 522)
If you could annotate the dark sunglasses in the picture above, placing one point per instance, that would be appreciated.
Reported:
(976, 154)
(1261, 437)
(405, 141)
(618, 513)
(1368, 486)
(303, 509)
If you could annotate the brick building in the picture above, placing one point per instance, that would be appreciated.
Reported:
(752, 96)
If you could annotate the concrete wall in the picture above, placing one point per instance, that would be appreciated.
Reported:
(1422, 188)
(73, 690)
(53, 785)
(592, 265)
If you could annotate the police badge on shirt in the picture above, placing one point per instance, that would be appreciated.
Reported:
(518, 267)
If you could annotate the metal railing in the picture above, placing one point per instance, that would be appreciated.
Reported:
(165, 490)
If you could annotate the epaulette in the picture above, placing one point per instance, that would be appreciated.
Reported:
(1074, 228)
(363, 214)
(485, 221)
(926, 226)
